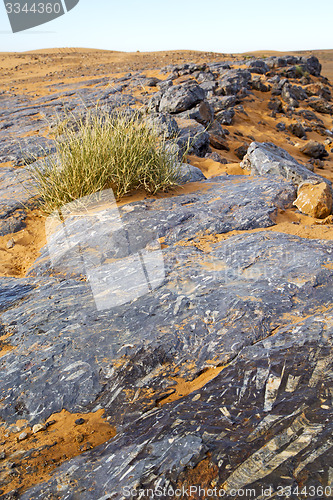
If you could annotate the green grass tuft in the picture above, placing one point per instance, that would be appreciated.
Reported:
(103, 151)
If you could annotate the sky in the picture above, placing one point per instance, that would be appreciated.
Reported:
(229, 26)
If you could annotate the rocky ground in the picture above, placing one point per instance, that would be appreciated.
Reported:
(220, 376)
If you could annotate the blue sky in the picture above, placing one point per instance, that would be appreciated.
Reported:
(214, 25)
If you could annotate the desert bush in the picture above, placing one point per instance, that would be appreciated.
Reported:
(102, 151)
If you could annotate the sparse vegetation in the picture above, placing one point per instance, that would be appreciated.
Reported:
(103, 151)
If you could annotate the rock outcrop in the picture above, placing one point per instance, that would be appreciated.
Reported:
(215, 370)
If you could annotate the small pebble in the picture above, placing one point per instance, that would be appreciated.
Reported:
(22, 436)
(2, 455)
(80, 421)
(37, 428)
(10, 243)
(51, 422)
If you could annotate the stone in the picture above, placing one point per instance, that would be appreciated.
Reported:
(162, 124)
(289, 96)
(233, 81)
(225, 117)
(192, 135)
(275, 105)
(189, 173)
(314, 149)
(222, 102)
(267, 158)
(281, 126)
(79, 421)
(241, 151)
(181, 98)
(258, 66)
(313, 65)
(22, 436)
(258, 84)
(203, 113)
(254, 294)
(314, 199)
(297, 129)
(37, 428)
(10, 243)
(321, 105)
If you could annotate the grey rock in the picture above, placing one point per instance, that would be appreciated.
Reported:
(225, 117)
(222, 103)
(314, 149)
(266, 158)
(189, 173)
(321, 105)
(162, 124)
(281, 126)
(192, 135)
(258, 66)
(313, 65)
(258, 84)
(203, 113)
(233, 81)
(181, 98)
(297, 129)
(268, 398)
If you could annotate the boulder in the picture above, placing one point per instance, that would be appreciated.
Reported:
(162, 124)
(297, 129)
(181, 98)
(233, 81)
(222, 103)
(321, 105)
(258, 66)
(314, 149)
(266, 158)
(203, 113)
(225, 116)
(258, 84)
(192, 135)
(189, 173)
(314, 199)
(313, 65)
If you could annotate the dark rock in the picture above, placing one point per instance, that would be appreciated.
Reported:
(162, 124)
(313, 65)
(321, 105)
(281, 126)
(203, 113)
(233, 81)
(258, 66)
(189, 173)
(297, 129)
(270, 397)
(266, 158)
(314, 149)
(257, 84)
(214, 156)
(225, 117)
(222, 103)
(275, 105)
(310, 115)
(153, 105)
(181, 98)
(241, 151)
(208, 87)
(291, 94)
(192, 134)
(79, 421)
